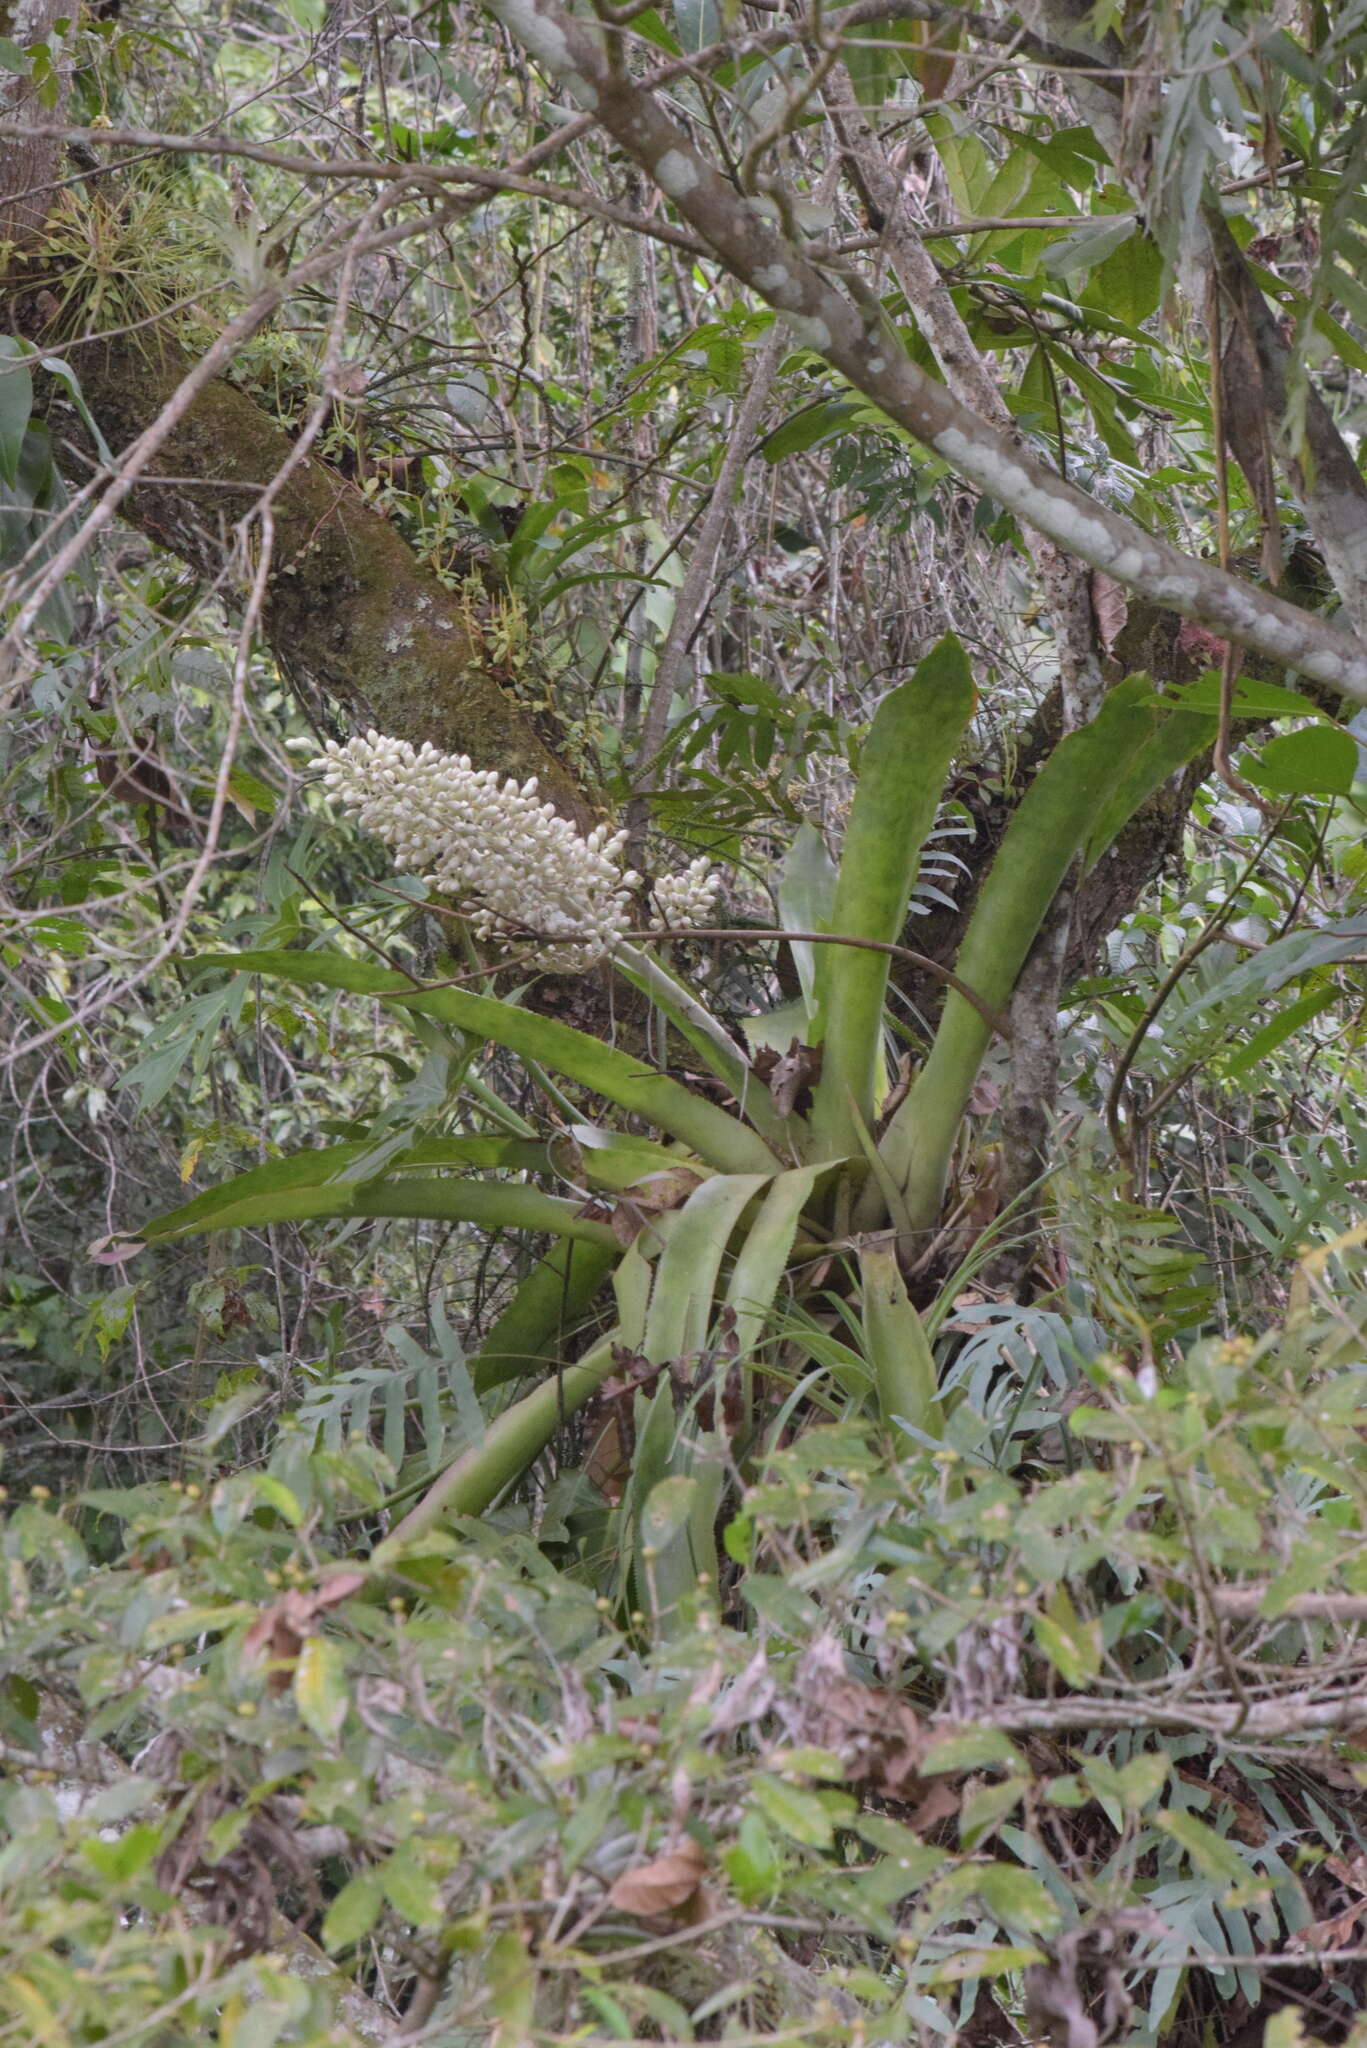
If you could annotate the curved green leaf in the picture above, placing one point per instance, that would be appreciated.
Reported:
(681, 1304)
(901, 779)
(763, 1258)
(509, 1446)
(1177, 734)
(720, 1138)
(1052, 822)
(553, 1298)
(899, 1350)
(495, 1204)
(329, 1165)
(16, 404)
(806, 903)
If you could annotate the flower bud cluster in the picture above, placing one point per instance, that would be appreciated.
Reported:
(520, 868)
(686, 898)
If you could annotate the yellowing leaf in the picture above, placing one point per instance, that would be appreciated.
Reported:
(320, 1687)
(1072, 1645)
(1210, 1853)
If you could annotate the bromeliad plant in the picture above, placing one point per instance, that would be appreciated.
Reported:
(734, 1203)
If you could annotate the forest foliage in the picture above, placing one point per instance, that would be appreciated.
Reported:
(682, 1279)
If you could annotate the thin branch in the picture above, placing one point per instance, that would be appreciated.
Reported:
(921, 960)
(850, 329)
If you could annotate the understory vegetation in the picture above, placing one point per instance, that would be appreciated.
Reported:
(683, 1279)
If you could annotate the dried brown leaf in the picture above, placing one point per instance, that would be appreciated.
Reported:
(280, 1630)
(666, 1885)
(1248, 433)
(1110, 608)
(789, 1076)
(649, 1197)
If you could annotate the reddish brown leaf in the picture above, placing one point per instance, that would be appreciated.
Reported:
(940, 1800)
(1200, 646)
(789, 1075)
(667, 1885)
(280, 1630)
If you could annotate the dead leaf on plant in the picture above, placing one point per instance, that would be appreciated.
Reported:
(281, 1630)
(113, 1251)
(789, 1076)
(878, 1734)
(649, 1197)
(1109, 607)
(942, 1801)
(1341, 1930)
(668, 1885)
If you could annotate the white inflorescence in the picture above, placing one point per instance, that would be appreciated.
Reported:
(686, 898)
(522, 870)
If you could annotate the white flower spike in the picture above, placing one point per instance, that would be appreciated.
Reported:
(520, 868)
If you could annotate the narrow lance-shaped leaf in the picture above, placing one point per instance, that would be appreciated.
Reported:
(806, 902)
(1053, 820)
(245, 1197)
(681, 1310)
(763, 1258)
(686, 1277)
(901, 779)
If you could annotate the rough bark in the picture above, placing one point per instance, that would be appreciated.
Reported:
(26, 175)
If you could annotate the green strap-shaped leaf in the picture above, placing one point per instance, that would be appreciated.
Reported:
(899, 1350)
(806, 903)
(494, 1204)
(901, 779)
(1175, 735)
(763, 1258)
(720, 1138)
(553, 1298)
(16, 404)
(1053, 821)
(509, 1446)
(224, 1207)
(681, 1304)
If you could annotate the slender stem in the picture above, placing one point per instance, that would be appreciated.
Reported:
(921, 960)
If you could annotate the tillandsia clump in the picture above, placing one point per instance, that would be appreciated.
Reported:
(522, 870)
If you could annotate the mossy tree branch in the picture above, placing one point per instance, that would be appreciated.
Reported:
(351, 612)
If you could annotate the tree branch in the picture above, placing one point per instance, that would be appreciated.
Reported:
(857, 340)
